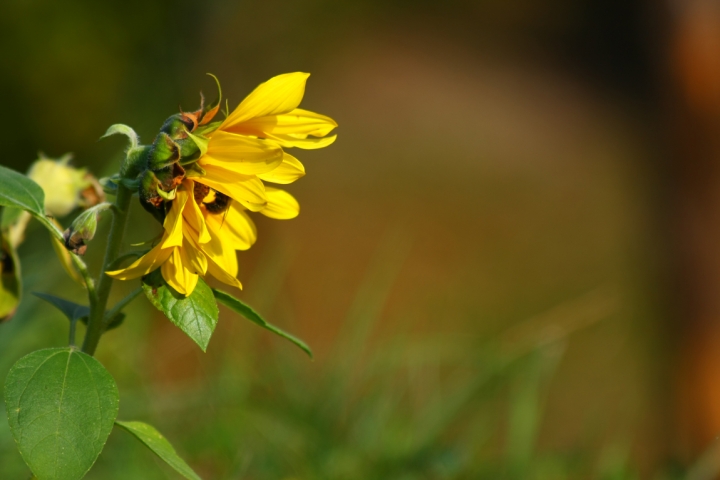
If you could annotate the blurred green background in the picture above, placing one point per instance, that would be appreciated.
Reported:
(483, 264)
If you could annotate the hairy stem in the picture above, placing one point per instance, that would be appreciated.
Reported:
(96, 323)
(85, 274)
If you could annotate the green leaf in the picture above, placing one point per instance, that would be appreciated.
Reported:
(17, 190)
(10, 283)
(246, 311)
(116, 321)
(148, 435)
(71, 310)
(196, 314)
(121, 129)
(9, 216)
(61, 405)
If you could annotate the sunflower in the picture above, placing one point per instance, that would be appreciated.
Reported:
(248, 146)
(187, 250)
(208, 221)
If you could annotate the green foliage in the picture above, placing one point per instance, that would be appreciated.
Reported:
(154, 440)
(71, 310)
(61, 405)
(246, 311)
(196, 314)
(17, 190)
(120, 129)
(9, 216)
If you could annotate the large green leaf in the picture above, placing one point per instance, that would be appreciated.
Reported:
(196, 314)
(17, 190)
(246, 311)
(61, 405)
(154, 440)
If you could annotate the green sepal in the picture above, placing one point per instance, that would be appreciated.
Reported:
(246, 311)
(189, 151)
(159, 445)
(167, 196)
(73, 311)
(110, 184)
(121, 129)
(136, 159)
(61, 405)
(131, 184)
(174, 126)
(163, 153)
(148, 182)
(209, 128)
(196, 314)
(194, 170)
(200, 141)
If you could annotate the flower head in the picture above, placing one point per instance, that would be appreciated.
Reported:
(186, 250)
(212, 175)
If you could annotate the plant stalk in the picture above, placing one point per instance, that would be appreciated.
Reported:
(96, 323)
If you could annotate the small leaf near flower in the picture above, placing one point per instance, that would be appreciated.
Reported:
(71, 310)
(154, 440)
(121, 129)
(196, 314)
(246, 311)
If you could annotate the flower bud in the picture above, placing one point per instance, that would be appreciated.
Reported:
(83, 229)
(62, 183)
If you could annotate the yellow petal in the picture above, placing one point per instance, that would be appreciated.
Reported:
(217, 272)
(299, 141)
(193, 258)
(298, 121)
(248, 190)
(220, 252)
(235, 228)
(248, 156)
(287, 172)
(193, 215)
(177, 275)
(144, 265)
(173, 221)
(280, 205)
(278, 95)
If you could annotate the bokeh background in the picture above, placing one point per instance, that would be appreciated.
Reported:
(508, 265)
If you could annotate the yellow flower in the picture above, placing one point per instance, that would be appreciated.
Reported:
(207, 222)
(187, 250)
(247, 146)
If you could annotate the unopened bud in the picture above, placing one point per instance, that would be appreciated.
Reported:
(61, 182)
(83, 229)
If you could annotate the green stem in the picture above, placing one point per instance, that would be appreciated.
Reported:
(96, 324)
(85, 274)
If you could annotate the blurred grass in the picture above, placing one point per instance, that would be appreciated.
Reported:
(400, 406)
